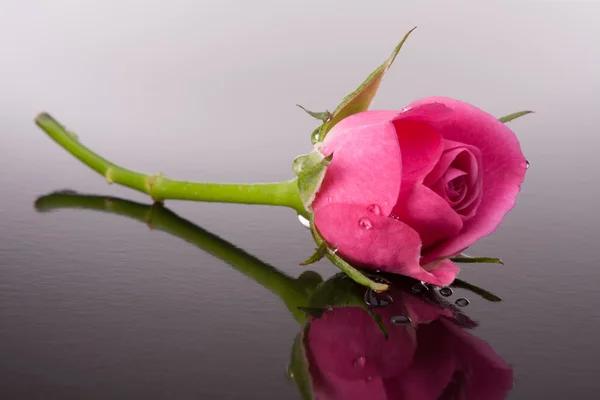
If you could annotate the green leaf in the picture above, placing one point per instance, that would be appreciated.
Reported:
(360, 99)
(317, 256)
(298, 368)
(510, 117)
(476, 260)
(323, 116)
(310, 169)
(475, 289)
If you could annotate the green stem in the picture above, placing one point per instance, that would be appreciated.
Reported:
(294, 292)
(160, 188)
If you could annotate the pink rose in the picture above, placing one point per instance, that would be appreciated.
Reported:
(408, 189)
(430, 358)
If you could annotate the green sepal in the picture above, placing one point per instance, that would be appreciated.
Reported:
(360, 99)
(310, 169)
(298, 367)
(319, 253)
(458, 283)
(323, 116)
(462, 258)
(510, 117)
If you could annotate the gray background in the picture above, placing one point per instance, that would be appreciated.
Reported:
(98, 306)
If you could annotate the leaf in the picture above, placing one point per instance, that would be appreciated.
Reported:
(476, 260)
(323, 116)
(317, 256)
(310, 169)
(475, 289)
(298, 368)
(360, 99)
(510, 117)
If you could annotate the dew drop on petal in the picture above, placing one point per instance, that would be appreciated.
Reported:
(360, 361)
(527, 164)
(375, 209)
(365, 224)
(406, 109)
(400, 320)
(446, 291)
(462, 302)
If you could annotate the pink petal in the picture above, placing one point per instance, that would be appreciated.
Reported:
(427, 213)
(364, 146)
(366, 239)
(503, 169)
(420, 147)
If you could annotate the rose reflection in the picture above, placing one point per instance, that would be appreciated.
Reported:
(432, 356)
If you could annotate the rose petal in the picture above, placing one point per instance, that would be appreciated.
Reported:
(426, 212)
(503, 169)
(420, 147)
(364, 145)
(374, 241)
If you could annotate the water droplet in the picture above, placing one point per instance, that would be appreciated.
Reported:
(375, 209)
(527, 163)
(305, 223)
(376, 300)
(400, 320)
(334, 250)
(360, 361)
(365, 224)
(406, 109)
(446, 292)
(369, 378)
(289, 373)
(462, 302)
(419, 288)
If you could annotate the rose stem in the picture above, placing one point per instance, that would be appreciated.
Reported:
(160, 188)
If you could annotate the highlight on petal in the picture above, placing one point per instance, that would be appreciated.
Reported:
(374, 241)
(503, 169)
(364, 145)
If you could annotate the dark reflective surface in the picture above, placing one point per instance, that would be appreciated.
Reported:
(98, 306)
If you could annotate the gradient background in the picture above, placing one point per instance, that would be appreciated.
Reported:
(96, 306)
